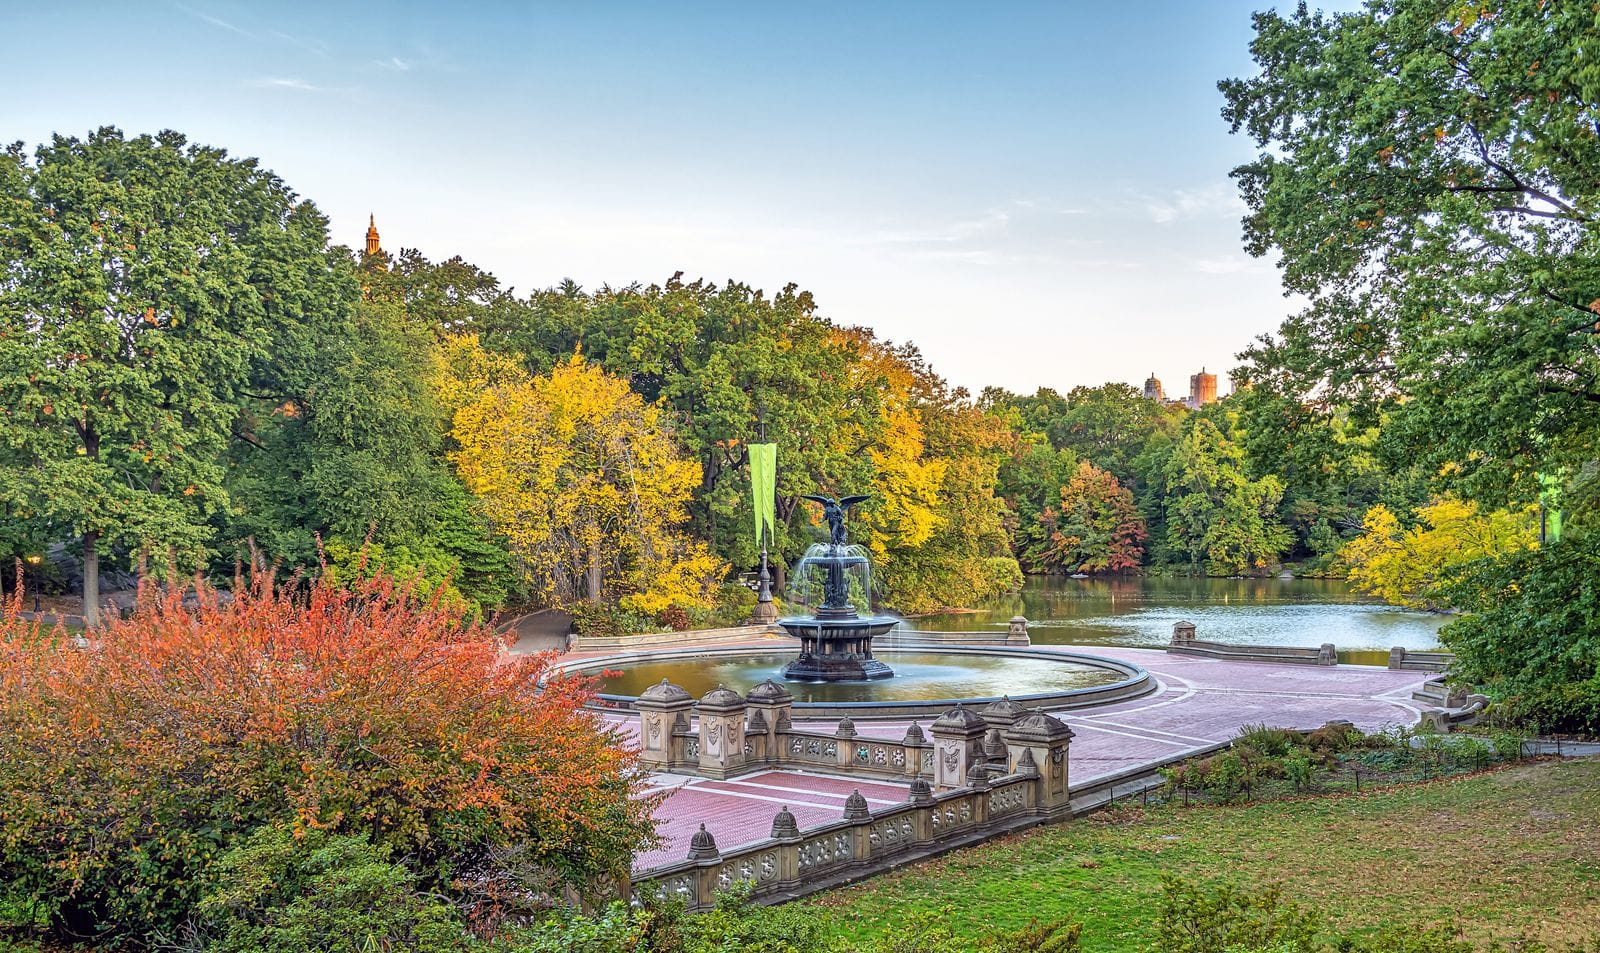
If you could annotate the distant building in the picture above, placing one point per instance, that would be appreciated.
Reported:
(1152, 388)
(1202, 390)
(373, 247)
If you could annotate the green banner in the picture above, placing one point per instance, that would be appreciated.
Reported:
(1550, 502)
(764, 485)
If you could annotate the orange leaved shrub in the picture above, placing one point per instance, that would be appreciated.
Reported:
(128, 767)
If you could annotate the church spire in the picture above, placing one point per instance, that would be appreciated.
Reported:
(372, 236)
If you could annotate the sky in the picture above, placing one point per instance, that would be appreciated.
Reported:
(1035, 194)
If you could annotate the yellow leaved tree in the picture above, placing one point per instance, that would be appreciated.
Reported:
(582, 478)
(1403, 565)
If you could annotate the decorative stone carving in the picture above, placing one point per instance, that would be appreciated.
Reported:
(855, 807)
(784, 826)
(702, 846)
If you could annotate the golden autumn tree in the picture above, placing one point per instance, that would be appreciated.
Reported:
(585, 481)
(1403, 565)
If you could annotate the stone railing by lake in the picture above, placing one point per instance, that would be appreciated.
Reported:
(1401, 658)
(1184, 643)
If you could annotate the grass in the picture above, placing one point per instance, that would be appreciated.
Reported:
(1509, 852)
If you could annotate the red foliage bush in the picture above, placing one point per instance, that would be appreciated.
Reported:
(128, 767)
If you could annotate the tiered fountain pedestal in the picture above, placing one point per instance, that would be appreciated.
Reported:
(837, 649)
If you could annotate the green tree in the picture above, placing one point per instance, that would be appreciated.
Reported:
(138, 281)
(1216, 516)
(1429, 178)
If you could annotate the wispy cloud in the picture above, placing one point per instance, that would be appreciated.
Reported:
(311, 45)
(1228, 265)
(1218, 200)
(286, 82)
(395, 64)
(215, 21)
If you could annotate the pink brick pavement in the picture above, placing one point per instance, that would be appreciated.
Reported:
(1199, 702)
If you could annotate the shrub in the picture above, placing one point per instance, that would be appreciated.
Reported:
(1507, 744)
(1297, 768)
(1270, 742)
(1335, 736)
(605, 620)
(674, 618)
(1572, 709)
(131, 768)
(1207, 919)
(278, 893)
(1472, 752)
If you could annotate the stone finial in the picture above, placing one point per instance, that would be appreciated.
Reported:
(1001, 711)
(702, 846)
(994, 748)
(770, 693)
(914, 735)
(784, 826)
(960, 718)
(1037, 727)
(722, 698)
(921, 792)
(978, 775)
(664, 692)
(846, 729)
(855, 807)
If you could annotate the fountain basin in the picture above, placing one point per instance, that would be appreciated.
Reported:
(837, 649)
(928, 681)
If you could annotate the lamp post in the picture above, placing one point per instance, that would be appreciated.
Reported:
(33, 561)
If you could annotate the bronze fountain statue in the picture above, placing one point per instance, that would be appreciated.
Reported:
(836, 641)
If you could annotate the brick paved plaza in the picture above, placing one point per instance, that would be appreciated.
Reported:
(1199, 702)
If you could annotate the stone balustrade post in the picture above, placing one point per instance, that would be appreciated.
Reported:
(773, 704)
(722, 729)
(916, 743)
(957, 746)
(846, 733)
(1397, 657)
(1038, 742)
(1182, 632)
(786, 831)
(1327, 654)
(663, 714)
(1017, 631)
(859, 815)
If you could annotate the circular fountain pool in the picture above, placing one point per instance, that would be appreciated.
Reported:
(925, 683)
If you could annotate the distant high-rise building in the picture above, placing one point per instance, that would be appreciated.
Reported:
(1152, 388)
(372, 237)
(1202, 389)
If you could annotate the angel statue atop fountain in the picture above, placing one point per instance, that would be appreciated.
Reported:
(833, 512)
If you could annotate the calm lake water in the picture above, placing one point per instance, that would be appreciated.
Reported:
(1139, 611)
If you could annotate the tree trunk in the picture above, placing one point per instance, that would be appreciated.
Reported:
(91, 581)
(593, 574)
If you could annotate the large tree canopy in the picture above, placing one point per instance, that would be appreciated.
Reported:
(1430, 177)
(138, 280)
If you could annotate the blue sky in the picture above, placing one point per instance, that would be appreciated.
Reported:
(1036, 194)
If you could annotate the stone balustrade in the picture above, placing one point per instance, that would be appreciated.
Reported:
(993, 771)
(1184, 643)
(1402, 658)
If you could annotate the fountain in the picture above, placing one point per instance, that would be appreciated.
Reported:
(836, 639)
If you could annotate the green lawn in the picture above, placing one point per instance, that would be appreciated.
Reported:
(1511, 851)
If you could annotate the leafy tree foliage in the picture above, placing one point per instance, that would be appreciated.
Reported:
(1216, 516)
(1404, 566)
(138, 280)
(585, 481)
(1429, 177)
(1097, 528)
(1533, 619)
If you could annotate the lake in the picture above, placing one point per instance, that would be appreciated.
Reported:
(1140, 610)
